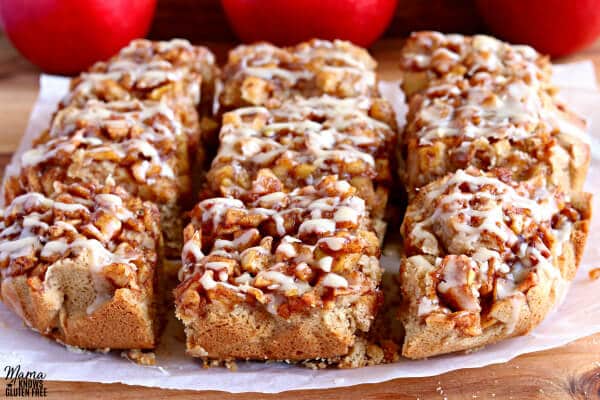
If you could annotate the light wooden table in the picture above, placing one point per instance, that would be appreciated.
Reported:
(569, 372)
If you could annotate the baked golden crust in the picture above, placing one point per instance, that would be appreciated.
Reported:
(140, 146)
(304, 140)
(81, 266)
(242, 331)
(291, 261)
(124, 322)
(265, 75)
(486, 259)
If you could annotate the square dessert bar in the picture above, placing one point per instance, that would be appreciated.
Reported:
(265, 75)
(172, 71)
(280, 276)
(304, 140)
(485, 259)
(141, 146)
(490, 121)
(428, 56)
(81, 266)
(148, 70)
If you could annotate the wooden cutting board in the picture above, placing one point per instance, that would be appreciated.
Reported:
(569, 372)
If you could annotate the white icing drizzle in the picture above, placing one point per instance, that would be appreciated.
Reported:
(34, 217)
(253, 138)
(318, 226)
(303, 63)
(142, 65)
(334, 281)
(346, 214)
(427, 306)
(509, 109)
(286, 248)
(19, 247)
(325, 263)
(500, 90)
(484, 219)
(284, 283)
(280, 268)
(439, 54)
(54, 247)
(147, 132)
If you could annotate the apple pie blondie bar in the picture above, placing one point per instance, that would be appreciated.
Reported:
(304, 140)
(428, 56)
(490, 122)
(485, 103)
(485, 259)
(141, 146)
(281, 276)
(172, 71)
(281, 260)
(81, 265)
(265, 75)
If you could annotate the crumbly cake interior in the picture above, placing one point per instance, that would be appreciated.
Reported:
(80, 263)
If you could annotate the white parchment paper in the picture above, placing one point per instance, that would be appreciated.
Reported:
(577, 316)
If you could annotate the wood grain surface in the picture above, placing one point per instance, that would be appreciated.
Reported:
(569, 372)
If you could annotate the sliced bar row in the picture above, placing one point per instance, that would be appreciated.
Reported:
(281, 260)
(494, 166)
(81, 252)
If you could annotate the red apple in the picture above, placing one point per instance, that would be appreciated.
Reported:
(67, 36)
(555, 27)
(287, 22)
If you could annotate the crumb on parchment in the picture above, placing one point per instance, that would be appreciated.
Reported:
(140, 357)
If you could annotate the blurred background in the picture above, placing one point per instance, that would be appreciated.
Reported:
(66, 36)
(205, 20)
